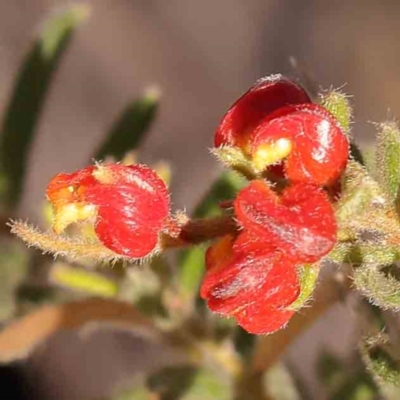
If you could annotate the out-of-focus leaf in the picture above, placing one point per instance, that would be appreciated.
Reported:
(381, 363)
(89, 282)
(131, 127)
(356, 386)
(28, 96)
(188, 383)
(191, 261)
(191, 264)
(244, 342)
(13, 268)
(137, 393)
(345, 382)
(279, 384)
(224, 188)
(20, 337)
(142, 287)
(329, 369)
(388, 159)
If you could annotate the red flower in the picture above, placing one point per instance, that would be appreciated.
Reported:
(254, 287)
(299, 222)
(129, 205)
(276, 125)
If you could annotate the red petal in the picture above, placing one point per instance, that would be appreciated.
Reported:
(300, 223)
(262, 321)
(219, 253)
(58, 192)
(320, 148)
(267, 95)
(269, 279)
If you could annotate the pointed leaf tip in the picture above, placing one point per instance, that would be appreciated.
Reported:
(338, 104)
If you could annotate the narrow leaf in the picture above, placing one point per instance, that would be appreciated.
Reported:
(13, 269)
(224, 188)
(130, 128)
(88, 282)
(388, 158)
(28, 96)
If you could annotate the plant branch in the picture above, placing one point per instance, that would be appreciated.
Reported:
(196, 231)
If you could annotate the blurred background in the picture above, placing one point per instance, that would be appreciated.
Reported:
(201, 55)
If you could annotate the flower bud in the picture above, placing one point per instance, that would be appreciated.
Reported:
(267, 95)
(299, 222)
(307, 139)
(128, 205)
(255, 288)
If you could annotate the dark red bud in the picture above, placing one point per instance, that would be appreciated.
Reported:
(267, 95)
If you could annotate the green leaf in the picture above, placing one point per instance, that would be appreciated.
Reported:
(225, 187)
(29, 92)
(388, 158)
(338, 104)
(377, 355)
(308, 278)
(379, 284)
(89, 282)
(138, 393)
(191, 261)
(129, 130)
(13, 269)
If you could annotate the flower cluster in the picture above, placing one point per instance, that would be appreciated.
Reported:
(292, 149)
(253, 276)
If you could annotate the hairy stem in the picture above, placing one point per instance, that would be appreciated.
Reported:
(197, 231)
